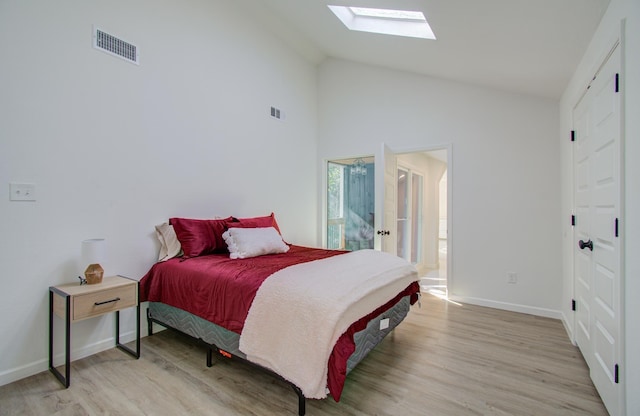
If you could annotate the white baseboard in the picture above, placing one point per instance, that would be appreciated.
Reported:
(17, 373)
(513, 307)
(568, 327)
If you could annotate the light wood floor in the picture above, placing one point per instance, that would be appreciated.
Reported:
(444, 359)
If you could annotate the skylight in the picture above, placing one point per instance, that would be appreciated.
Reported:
(387, 13)
(385, 21)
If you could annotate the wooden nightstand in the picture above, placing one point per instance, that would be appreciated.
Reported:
(74, 302)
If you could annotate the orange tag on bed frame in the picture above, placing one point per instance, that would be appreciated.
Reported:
(225, 354)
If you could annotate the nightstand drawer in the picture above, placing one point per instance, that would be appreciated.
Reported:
(98, 303)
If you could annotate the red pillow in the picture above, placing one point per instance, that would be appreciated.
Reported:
(254, 222)
(198, 237)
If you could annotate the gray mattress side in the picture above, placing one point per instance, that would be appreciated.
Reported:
(211, 333)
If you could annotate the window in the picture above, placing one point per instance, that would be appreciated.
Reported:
(335, 206)
(387, 13)
(385, 21)
(350, 204)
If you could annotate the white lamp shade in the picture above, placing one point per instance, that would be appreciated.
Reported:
(94, 251)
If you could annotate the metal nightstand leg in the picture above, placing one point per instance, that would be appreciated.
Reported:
(65, 380)
(123, 347)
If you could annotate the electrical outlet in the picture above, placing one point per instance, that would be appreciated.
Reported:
(512, 278)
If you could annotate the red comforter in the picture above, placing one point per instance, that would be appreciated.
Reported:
(217, 288)
(221, 290)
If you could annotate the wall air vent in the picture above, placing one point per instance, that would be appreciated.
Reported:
(277, 113)
(114, 46)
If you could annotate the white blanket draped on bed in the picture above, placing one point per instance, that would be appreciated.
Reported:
(299, 312)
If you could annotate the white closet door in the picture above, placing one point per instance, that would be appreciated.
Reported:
(598, 254)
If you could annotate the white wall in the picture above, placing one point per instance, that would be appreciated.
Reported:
(607, 32)
(114, 148)
(505, 170)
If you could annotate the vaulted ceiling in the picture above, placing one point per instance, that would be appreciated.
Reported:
(523, 46)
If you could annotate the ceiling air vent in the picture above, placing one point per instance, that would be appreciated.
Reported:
(114, 46)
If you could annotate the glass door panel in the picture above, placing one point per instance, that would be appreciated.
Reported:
(416, 217)
(402, 212)
(350, 204)
(335, 206)
(409, 215)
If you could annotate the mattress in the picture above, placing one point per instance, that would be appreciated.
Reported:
(212, 334)
(211, 298)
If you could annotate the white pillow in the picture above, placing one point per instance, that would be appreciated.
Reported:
(252, 242)
(169, 244)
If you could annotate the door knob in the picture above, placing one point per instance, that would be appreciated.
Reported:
(588, 244)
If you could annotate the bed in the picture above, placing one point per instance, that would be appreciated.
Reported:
(307, 315)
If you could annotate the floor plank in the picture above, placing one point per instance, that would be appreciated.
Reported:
(444, 359)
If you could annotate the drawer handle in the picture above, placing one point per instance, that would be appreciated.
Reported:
(106, 301)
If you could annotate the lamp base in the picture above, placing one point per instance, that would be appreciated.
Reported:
(94, 274)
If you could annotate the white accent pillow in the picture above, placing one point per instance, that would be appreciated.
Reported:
(169, 244)
(251, 242)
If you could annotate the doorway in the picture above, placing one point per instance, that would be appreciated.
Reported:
(429, 168)
(397, 203)
(435, 278)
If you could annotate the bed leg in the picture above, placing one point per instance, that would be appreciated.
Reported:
(301, 400)
(209, 357)
(149, 324)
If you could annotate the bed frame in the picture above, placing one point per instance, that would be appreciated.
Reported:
(225, 343)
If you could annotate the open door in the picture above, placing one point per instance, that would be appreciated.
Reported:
(385, 197)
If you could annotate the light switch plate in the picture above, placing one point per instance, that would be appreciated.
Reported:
(22, 191)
